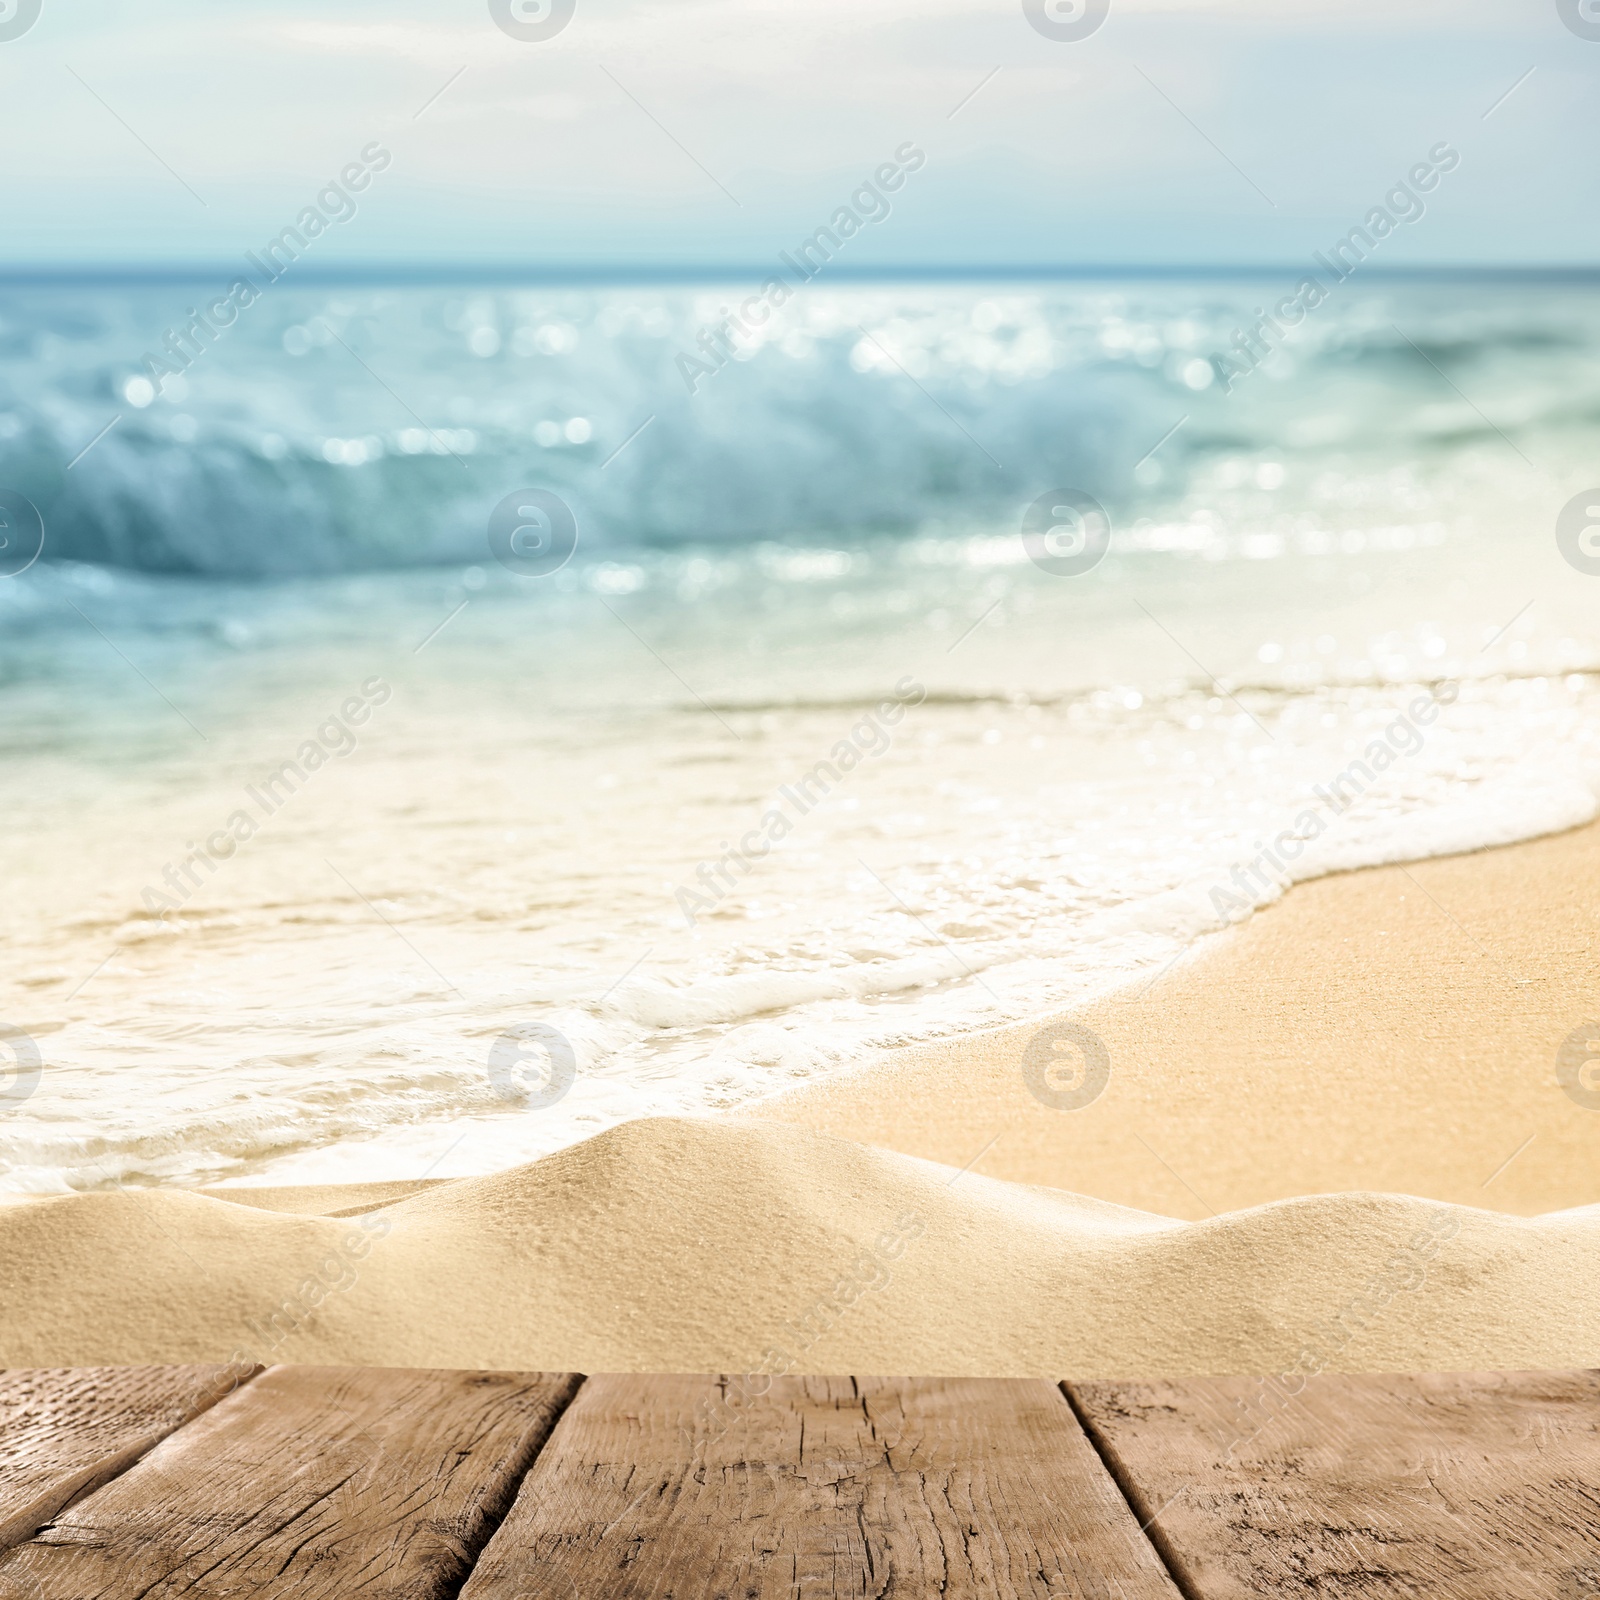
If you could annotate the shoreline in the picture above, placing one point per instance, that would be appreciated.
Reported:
(1392, 1029)
(978, 1081)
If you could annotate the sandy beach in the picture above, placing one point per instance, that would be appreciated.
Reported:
(1330, 1139)
(799, 802)
(1392, 1030)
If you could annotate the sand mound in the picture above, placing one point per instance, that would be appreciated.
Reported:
(746, 1246)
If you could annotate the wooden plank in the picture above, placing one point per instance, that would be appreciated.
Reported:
(664, 1488)
(312, 1482)
(1458, 1486)
(67, 1430)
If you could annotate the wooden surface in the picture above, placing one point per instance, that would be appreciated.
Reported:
(206, 1482)
(310, 1481)
(1453, 1486)
(63, 1433)
(652, 1488)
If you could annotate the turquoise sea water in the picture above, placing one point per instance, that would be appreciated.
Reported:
(1031, 630)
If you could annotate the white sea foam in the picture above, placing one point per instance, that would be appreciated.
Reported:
(1086, 787)
(278, 1027)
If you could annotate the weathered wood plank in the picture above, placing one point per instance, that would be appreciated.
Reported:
(311, 1481)
(659, 1488)
(1455, 1486)
(65, 1431)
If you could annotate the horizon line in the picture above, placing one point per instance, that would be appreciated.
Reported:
(419, 272)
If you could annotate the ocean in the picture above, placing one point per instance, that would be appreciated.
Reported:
(441, 721)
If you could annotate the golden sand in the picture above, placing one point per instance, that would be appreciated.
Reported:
(1331, 1139)
(1392, 1030)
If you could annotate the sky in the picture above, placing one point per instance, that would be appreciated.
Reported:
(714, 133)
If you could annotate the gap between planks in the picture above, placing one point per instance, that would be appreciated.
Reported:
(1148, 1517)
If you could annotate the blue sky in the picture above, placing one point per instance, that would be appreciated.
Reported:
(717, 132)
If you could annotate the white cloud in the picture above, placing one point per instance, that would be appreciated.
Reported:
(1066, 150)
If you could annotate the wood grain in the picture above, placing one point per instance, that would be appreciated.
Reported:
(657, 1488)
(312, 1482)
(65, 1431)
(1454, 1486)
